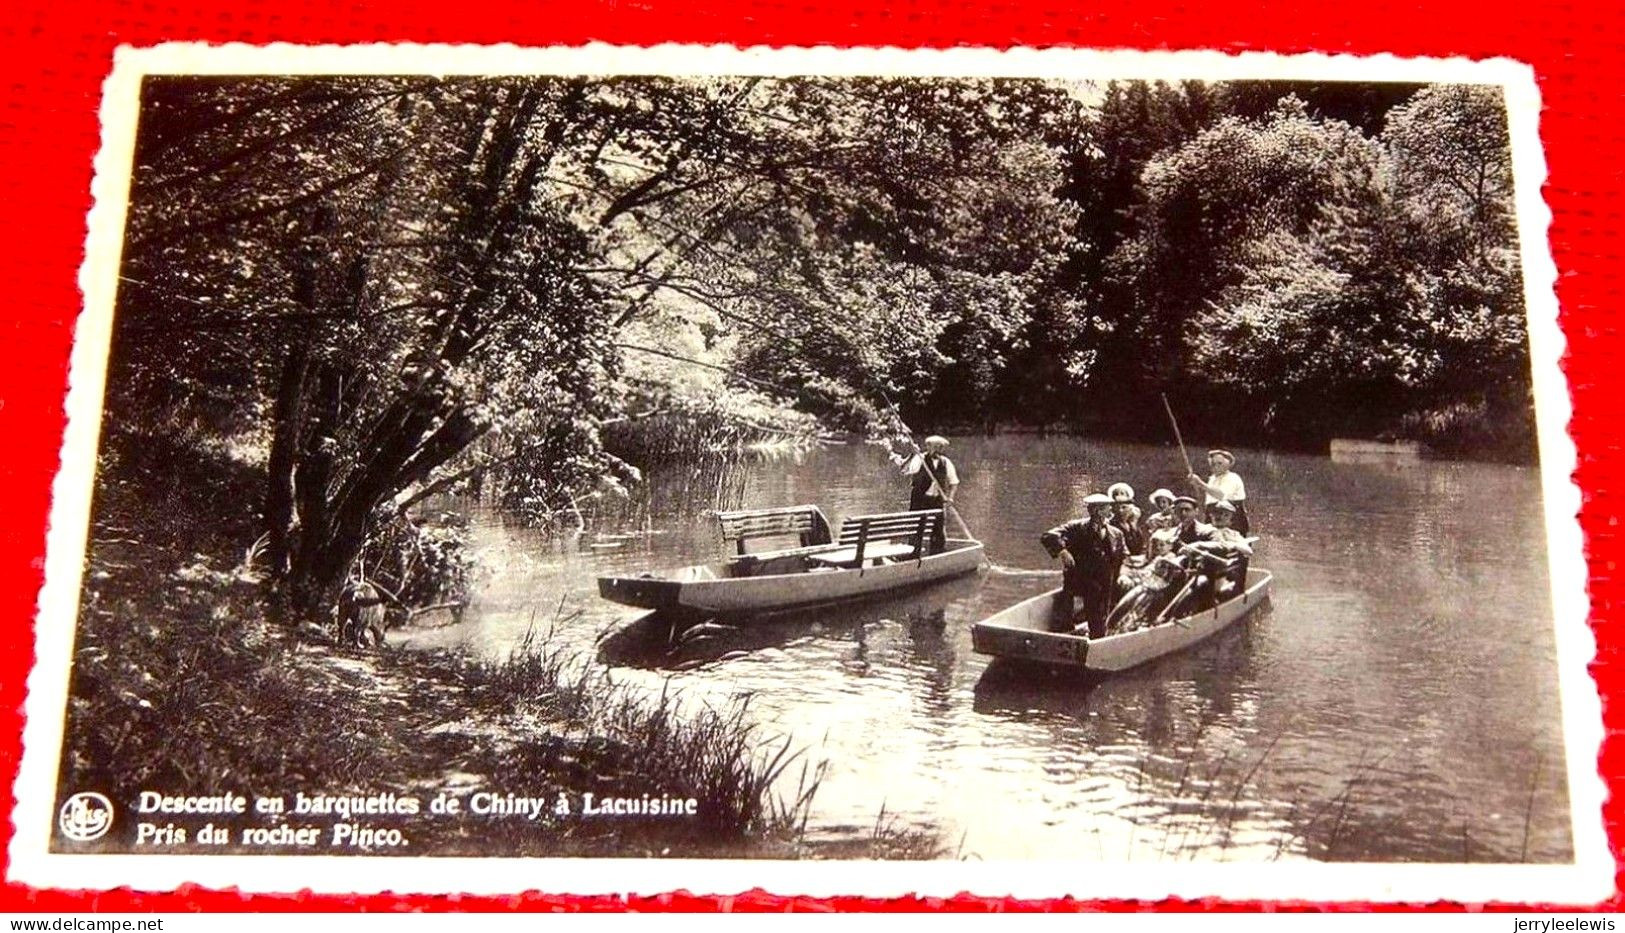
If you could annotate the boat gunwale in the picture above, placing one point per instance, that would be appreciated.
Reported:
(964, 545)
(1243, 603)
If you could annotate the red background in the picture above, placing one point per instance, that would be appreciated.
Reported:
(56, 56)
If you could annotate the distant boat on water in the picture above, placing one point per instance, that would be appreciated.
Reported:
(1348, 449)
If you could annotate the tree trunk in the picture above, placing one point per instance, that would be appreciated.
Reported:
(314, 573)
(278, 507)
(289, 436)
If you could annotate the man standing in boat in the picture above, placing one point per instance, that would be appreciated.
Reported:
(1224, 486)
(934, 482)
(1091, 553)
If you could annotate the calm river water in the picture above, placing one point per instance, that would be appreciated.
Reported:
(1397, 701)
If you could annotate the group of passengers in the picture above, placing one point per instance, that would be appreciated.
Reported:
(1129, 570)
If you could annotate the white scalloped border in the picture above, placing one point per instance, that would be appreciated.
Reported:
(1588, 880)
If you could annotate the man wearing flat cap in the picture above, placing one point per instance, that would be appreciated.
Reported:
(1190, 528)
(1091, 552)
(934, 482)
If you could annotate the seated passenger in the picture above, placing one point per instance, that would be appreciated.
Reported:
(1188, 529)
(1126, 517)
(1162, 516)
(1224, 534)
(1151, 585)
(1150, 569)
(1134, 568)
(1226, 541)
(1199, 592)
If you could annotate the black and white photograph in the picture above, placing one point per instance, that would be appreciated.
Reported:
(888, 471)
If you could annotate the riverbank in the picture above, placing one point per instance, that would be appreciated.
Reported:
(1472, 431)
(182, 686)
(1441, 444)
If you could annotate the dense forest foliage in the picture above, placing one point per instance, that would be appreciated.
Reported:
(374, 289)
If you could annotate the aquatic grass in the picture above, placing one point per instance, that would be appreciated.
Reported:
(685, 430)
(181, 683)
(891, 838)
(318, 719)
(655, 743)
(719, 754)
(1202, 803)
(1209, 784)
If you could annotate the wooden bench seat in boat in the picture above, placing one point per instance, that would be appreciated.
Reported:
(806, 522)
(872, 554)
(885, 535)
(875, 551)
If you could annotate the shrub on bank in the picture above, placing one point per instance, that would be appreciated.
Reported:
(1475, 427)
(180, 685)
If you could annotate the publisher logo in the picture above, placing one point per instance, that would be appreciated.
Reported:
(86, 816)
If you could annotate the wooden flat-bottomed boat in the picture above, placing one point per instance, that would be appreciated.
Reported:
(1023, 633)
(872, 554)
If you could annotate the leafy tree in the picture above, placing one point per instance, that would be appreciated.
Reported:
(945, 217)
(389, 287)
(1340, 279)
(416, 281)
(1453, 163)
(1208, 207)
(1363, 105)
(1081, 350)
(399, 301)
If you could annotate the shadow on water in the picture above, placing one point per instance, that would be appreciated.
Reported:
(684, 639)
(1021, 690)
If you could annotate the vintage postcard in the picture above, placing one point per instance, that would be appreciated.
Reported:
(619, 470)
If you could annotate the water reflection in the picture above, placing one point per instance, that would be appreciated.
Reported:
(1398, 701)
(682, 640)
(1212, 671)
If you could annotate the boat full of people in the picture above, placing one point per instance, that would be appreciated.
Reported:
(1136, 587)
(1041, 630)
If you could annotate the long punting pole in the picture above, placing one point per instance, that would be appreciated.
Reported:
(1175, 422)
